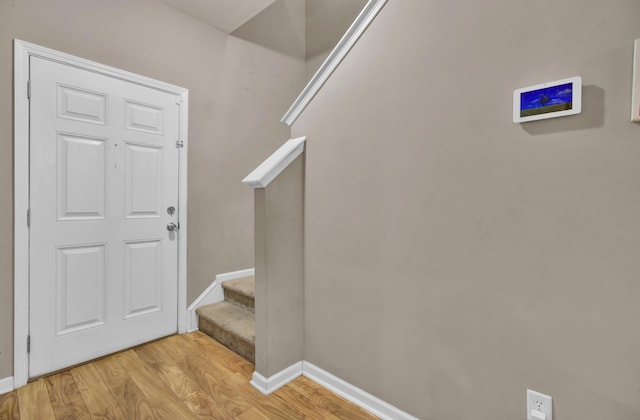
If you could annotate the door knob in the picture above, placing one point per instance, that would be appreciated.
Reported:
(172, 227)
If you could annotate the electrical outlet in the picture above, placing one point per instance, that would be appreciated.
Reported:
(540, 403)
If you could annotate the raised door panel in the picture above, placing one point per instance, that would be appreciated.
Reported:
(143, 117)
(80, 287)
(143, 181)
(80, 104)
(143, 278)
(81, 181)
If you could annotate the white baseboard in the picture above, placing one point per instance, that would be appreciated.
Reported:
(6, 385)
(354, 394)
(213, 294)
(346, 390)
(280, 379)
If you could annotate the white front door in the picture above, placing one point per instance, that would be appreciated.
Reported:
(103, 183)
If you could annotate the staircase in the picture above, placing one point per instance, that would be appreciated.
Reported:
(232, 321)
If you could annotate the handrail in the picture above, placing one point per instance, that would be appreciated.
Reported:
(268, 170)
(336, 56)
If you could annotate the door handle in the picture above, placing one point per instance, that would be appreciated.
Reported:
(172, 227)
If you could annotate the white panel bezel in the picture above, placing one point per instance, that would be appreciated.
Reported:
(576, 101)
(635, 97)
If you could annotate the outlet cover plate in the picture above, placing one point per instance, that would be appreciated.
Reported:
(540, 402)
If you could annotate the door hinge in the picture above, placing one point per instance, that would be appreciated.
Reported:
(29, 89)
(28, 344)
(28, 217)
(179, 144)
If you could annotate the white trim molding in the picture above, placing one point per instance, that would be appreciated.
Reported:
(213, 294)
(363, 399)
(6, 385)
(357, 28)
(22, 53)
(635, 91)
(280, 379)
(268, 170)
(183, 171)
(354, 394)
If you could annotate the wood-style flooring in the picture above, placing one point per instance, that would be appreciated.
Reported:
(179, 377)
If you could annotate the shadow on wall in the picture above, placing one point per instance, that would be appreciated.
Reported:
(288, 39)
(592, 115)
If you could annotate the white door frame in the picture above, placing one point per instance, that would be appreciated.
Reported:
(22, 52)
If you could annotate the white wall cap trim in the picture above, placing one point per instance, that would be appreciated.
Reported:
(6, 385)
(354, 394)
(268, 170)
(280, 379)
(213, 294)
(221, 278)
(357, 28)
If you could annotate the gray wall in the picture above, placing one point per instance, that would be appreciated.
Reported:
(326, 23)
(279, 251)
(454, 258)
(238, 92)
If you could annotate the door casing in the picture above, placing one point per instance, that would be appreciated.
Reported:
(22, 52)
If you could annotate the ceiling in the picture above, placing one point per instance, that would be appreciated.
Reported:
(226, 15)
(326, 20)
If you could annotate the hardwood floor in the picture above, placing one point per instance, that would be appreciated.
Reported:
(179, 377)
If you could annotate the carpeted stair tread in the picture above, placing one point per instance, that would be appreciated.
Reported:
(241, 292)
(231, 325)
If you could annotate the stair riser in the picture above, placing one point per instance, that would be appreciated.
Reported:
(240, 299)
(230, 340)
